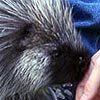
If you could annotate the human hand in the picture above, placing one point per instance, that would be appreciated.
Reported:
(89, 87)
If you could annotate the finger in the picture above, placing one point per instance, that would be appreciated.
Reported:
(95, 56)
(81, 85)
(79, 91)
(94, 60)
(97, 97)
(92, 85)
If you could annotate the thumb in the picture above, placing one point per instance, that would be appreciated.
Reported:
(93, 83)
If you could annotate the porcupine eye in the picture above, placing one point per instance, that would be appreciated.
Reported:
(80, 59)
(83, 64)
(57, 53)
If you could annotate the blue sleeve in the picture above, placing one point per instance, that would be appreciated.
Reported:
(86, 17)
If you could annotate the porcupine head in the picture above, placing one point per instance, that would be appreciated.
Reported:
(39, 46)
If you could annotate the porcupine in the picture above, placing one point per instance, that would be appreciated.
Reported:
(39, 47)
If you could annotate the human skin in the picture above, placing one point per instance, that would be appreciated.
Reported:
(89, 87)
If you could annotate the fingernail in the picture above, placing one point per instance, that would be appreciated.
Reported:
(84, 97)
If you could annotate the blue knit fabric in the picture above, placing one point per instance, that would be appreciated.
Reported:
(86, 17)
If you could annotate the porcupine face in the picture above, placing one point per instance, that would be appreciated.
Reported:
(38, 46)
(69, 65)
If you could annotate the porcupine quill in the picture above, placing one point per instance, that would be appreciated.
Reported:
(39, 47)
